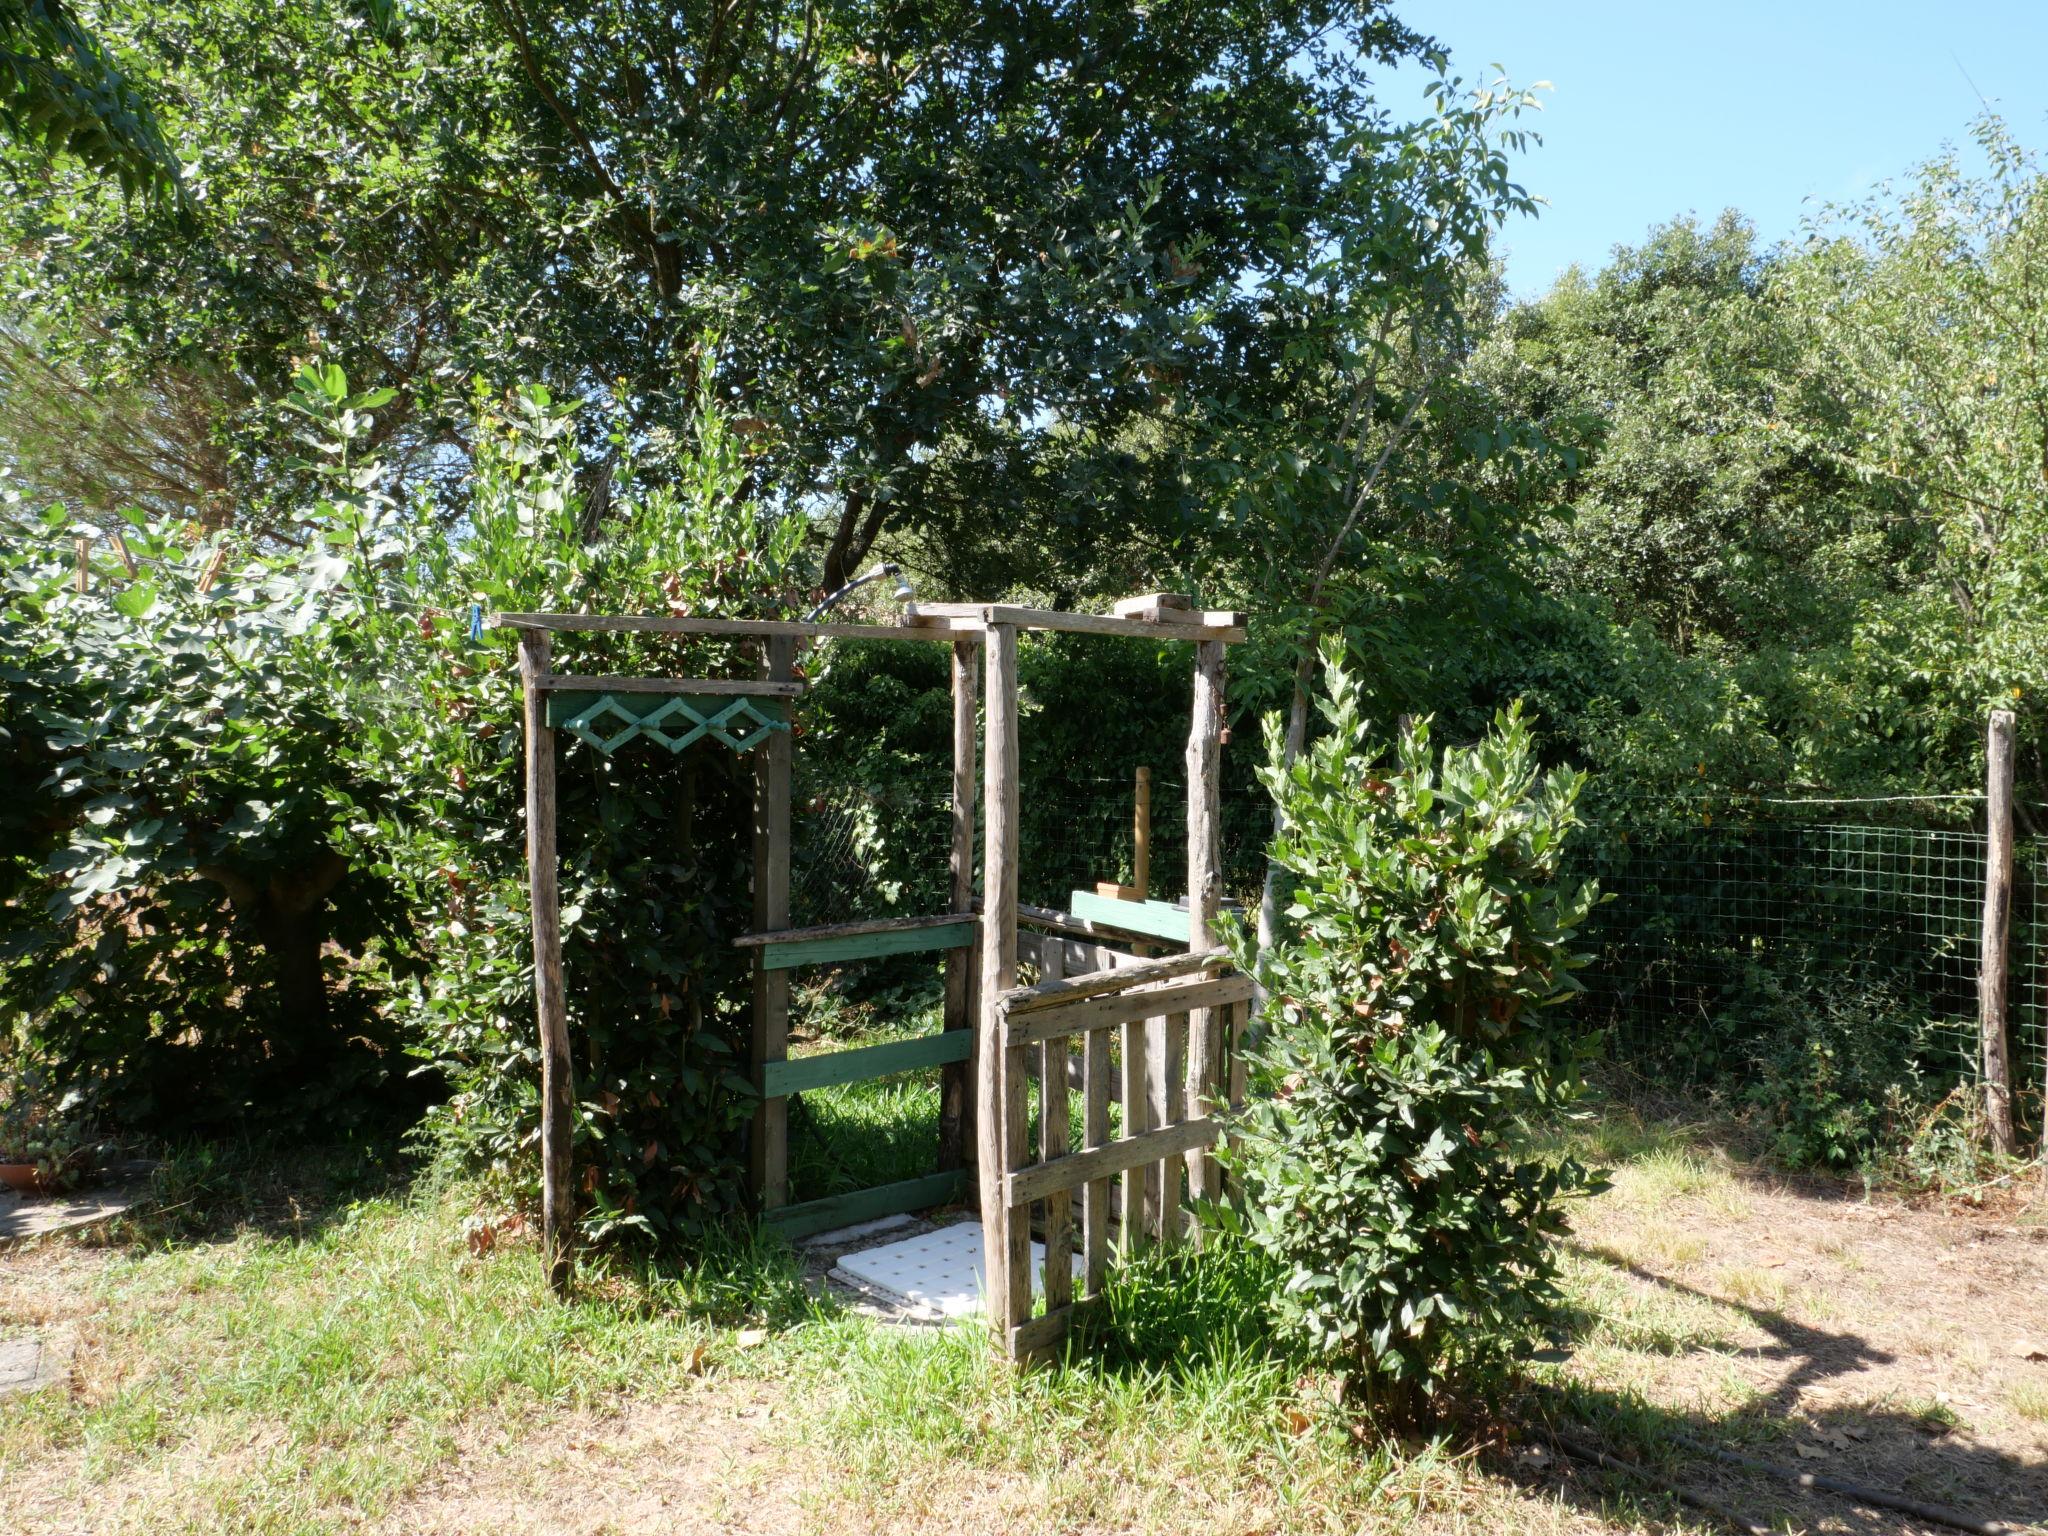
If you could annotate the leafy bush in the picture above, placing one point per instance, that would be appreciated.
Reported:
(327, 713)
(1406, 1041)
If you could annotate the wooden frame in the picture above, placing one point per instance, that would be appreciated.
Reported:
(1173, 1021)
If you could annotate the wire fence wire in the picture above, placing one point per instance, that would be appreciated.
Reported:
(1722, 929)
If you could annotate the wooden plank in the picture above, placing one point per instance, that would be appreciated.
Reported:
(1047, 620)
(1121, 1007)
(1164, 1065)
(750, 687)
(745, 629)
(1095, 1094)
(956, 1082)
(1991, 969)
(557, 1083)
(864, 1063)
(1150, 605)
(1137, 1121)
(814, 1216)
(1054, 1129)
(1047, 994)
(1145, 1149)
(1039, 1338)
(1066, 923)
(784, 955)
(841, 930)
(1153, 919)
(1006, 1238)
(768, 1035)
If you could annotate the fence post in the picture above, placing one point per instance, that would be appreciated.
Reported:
(557, 1087)
(1991, 990)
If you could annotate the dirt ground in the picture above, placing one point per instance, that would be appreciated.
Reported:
(1898, 1345)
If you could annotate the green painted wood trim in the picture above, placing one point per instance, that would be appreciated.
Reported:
(609, 721)
(864, 1063)
(812, 1216)
(865, 946)
(1160, 919)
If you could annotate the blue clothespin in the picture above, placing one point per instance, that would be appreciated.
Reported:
(476, 624)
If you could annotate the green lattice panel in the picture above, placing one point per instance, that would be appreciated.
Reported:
(609, 721)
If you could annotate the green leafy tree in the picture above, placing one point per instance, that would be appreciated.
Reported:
(61, 93)
(1406, 1046)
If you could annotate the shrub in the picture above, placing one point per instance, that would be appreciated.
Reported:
(1406, 1043)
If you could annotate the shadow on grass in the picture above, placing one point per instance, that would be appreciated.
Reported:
(1912, 1449)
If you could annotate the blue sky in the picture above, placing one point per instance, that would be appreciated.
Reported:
(1663, 107)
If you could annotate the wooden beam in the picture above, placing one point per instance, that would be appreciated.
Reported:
(982, 616)
(768, 1040)
(862, 1063)
(1049, 993)
(557, 1086)
(956, 1082)
(1148, 919)
(1037, 1180)
(751, 687)
(921, 938)
(1991, 970)
(813, 1216)
(1124, 1007)
(1152, 605)
(743, 629)
(1006, 1239)
(1205, 891)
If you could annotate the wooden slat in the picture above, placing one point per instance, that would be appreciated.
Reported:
(750, 687)
(1047, 994)
(744, 629)
(838, 930)
(1137, 1121)
(1095, 1090)
(1053, 1132)
(1145, 1149)
(1042, 1335)
(1153, 919)
(812, 1216)
(1163, 1067)
(768, 1153)
(864, 1063)
(1120, 1007)
(787, 954)
(956, 1082)
(557, 1088)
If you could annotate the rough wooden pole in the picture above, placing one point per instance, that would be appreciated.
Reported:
(1205, 887)
(1141, 834)
(1006, 1242)
(81, 552)
(557, 1084)
(768, 1145)
(956, 1079)
(1998, 773)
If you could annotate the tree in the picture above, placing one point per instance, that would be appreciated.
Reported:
(1927, 311)
(60, 92)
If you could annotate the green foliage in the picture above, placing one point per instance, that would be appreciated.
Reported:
(271, 859)
(1407, 1039)
(61, 92)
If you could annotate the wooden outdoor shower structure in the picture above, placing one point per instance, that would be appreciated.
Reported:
(1158, 1035)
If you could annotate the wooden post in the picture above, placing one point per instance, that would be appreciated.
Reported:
(1000, 1078)
(1991, 991)
(557, 1085)
(768, 1145)
(956, 1079)
(1205, 886)
(1141, 834)
(82, 552)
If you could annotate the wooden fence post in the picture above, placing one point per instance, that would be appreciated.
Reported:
(1141, 834)
(557, 1084)
(1991, 974)
(768, 1145)
(1205, 891)
(1000, 1127)
(956, 1079)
